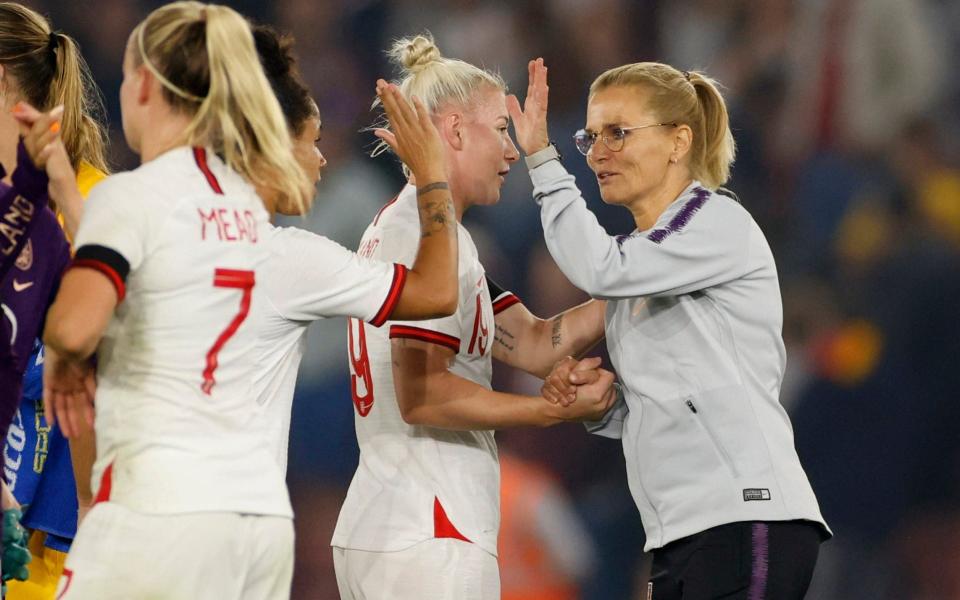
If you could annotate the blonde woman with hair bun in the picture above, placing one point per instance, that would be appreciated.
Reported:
(167, 267)
(693, 327)
(421, 517)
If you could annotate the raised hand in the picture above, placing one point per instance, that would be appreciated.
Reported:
(41, 139)
(412, 134)
(530, 123)
(40, 131)
(68, 391)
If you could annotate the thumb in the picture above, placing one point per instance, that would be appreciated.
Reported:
(514, 110)
(588, 363)
(387, 136)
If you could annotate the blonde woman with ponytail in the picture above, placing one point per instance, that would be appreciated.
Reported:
(421, 517)
(693, 327)
(190, 502)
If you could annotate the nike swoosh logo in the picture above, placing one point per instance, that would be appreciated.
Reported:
(19, 287)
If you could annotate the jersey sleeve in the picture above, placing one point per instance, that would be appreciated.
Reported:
(114, 231)
(316, 277)
(501, 299)
(706, 243)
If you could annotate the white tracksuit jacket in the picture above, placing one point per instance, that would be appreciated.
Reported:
(693, 327)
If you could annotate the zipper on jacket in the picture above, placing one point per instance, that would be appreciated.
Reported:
(713, 437)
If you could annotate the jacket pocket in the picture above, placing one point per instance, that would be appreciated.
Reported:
(703, 421)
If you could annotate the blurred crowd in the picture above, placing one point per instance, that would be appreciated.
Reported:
(847, 120)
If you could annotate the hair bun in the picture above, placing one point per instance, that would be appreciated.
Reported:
(416, 53)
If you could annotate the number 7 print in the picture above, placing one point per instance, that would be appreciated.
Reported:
(228, 278)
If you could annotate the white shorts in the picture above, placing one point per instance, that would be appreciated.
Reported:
(120, 554)
(439, 569)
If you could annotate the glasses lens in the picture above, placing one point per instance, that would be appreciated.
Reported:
(584, 141)
(613, 138)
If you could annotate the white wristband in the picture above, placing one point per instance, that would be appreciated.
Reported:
(542, 156)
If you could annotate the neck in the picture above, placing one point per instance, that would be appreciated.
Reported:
(648, 208)
(163, 134)
(9, 136)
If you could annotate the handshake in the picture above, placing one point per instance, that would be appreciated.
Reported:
(579, 390)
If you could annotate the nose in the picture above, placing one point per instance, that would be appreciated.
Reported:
(512, 154)
(323, 159)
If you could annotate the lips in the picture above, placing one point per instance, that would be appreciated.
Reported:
(604, 176)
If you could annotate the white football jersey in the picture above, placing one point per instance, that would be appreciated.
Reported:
(415, 483)
(308, 277)
(178, 427)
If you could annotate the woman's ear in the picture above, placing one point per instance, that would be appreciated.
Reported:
(682, 142)
(451, 130)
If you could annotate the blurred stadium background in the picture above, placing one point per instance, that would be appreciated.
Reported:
(846, 114)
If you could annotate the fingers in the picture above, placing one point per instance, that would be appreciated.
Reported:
(398, 111)
(388, 137)
(423, 114)
(25, 113)
(514, 110)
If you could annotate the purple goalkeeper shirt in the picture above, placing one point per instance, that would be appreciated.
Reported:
(33, 255)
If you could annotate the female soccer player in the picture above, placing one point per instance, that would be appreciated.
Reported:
(45, 69)
(693, 329)
(421, 516)
(308, 277)
(165, 274)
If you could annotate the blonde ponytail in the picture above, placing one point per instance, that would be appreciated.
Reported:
(683, 97)
(205, 59)
(49, 70)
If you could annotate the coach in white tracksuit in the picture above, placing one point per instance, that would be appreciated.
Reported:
(693, 327)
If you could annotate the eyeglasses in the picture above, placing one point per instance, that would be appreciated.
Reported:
(612, 137)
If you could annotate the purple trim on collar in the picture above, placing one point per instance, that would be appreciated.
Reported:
(680, 220)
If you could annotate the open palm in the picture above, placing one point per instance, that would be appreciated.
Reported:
(530, 122)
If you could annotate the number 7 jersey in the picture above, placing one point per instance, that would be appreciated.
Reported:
(177, 424)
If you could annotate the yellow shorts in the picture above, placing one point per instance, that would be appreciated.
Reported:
(45, 570)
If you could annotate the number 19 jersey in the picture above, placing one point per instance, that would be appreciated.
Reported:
(177, 425)
(414, 482)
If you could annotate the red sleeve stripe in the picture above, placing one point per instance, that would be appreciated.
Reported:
(504, 302)
(110, 272)
(200, 155)
(425, 335)
(393, 296)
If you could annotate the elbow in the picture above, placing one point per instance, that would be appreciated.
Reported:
(68, 340)
(447, 303)
(412, 414)
(444, 303)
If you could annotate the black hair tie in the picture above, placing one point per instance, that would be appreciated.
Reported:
(53, 43)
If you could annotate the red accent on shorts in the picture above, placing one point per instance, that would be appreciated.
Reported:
(200, 155)
(383, 208)
(504, 302)
(442, 527)
(68, 573)
(112, 275)
(425, 335)
(393, 297)
(106, 482)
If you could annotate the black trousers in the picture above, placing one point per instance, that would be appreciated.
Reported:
(755, 560)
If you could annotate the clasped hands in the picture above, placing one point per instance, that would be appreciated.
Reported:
(579, 389)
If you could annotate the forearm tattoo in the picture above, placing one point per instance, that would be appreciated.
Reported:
(435, 215)
(505, 338)
(555, 334)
